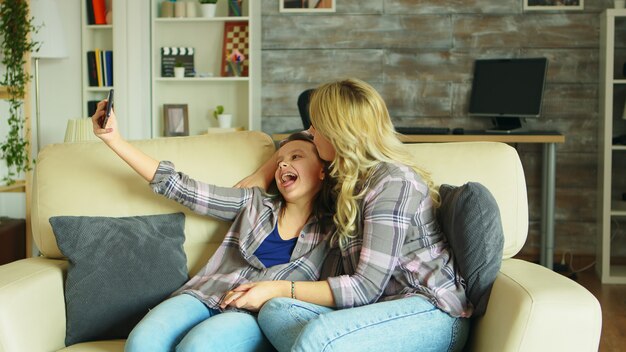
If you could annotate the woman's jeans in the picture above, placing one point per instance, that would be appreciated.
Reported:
(184, 323)
(407, 324)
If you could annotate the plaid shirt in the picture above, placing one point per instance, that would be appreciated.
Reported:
(254, 215)
(399, 250)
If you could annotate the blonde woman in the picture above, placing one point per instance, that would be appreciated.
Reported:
(390, 263)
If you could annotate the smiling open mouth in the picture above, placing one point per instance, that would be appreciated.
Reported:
(288, 178)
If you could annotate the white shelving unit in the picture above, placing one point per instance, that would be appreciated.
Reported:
(611, 158)
(240, 96)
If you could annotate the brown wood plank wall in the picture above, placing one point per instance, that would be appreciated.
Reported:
(419, 55)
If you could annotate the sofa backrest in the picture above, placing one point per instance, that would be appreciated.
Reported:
(495, 165)
(88, 179)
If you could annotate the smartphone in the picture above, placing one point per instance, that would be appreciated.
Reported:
(107, 113)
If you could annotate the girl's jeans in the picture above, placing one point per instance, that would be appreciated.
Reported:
(408, 324)
(184, 323)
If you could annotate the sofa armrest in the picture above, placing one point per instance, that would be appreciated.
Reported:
(32, 307)
(532, 308)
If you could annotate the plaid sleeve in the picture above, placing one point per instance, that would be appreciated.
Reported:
(388, 209)
(220, 202)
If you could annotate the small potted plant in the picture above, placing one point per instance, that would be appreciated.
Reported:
(224, 120)
(179, 70)
(208, 7)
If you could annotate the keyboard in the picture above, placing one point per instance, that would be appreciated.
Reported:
(422, 130)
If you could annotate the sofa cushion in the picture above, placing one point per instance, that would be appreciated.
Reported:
(118, 269)
(470, 219)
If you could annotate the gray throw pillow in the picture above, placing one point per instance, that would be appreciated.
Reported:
(470, 219)
(119, 268)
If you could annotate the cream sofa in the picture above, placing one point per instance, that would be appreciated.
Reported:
(531, 308)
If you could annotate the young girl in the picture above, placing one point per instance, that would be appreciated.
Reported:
(391, 249)
(259, 245)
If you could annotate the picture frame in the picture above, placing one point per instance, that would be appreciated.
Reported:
(308, 5)
(175, 120)
(553, 5)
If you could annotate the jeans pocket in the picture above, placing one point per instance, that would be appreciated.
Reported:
(302, 315)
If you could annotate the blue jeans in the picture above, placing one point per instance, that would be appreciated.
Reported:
(184, 323)
(408, 324)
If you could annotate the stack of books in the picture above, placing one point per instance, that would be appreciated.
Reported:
(100, 66)
(96, 11)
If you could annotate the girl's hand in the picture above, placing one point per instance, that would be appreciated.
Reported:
(230, 297)
(110, 131)
(252, 296)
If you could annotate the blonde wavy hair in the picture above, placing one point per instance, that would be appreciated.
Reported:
(354, 119)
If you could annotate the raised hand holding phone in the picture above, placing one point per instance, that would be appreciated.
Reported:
(104, 120)
(107, 113)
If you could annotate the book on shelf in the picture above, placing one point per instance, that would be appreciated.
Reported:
(90, 15)
(105, 75)
(170, 55)
(92, 68)
(92, 105)
(108, 59)
(99, 11)
(99, 67)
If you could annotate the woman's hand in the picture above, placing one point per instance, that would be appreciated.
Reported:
(110, 132)
(252, 296)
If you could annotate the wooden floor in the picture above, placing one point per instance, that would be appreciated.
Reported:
(613, 301)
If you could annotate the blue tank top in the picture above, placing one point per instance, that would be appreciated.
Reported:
(274, 250)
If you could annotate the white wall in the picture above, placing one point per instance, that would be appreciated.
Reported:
(60, 85)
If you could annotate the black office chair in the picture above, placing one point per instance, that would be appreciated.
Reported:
(303, 107)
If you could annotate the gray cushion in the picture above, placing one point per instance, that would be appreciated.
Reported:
(118, 269)
(470, 219)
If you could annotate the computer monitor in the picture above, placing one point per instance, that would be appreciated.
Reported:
(508, 90)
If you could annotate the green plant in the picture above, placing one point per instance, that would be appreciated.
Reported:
(178, 64)
(15, 26)
(208, 1)
(218, 111)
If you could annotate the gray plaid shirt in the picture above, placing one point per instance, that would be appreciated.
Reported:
(254, 215)
(400, 249)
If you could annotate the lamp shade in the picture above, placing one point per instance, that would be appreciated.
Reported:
(47, 18)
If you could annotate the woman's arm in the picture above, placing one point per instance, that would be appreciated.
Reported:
(262, 177)
(253, 295)
(220, 202)
(143, 164)
(389, 209)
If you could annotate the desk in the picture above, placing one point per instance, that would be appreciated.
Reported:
(548, 173)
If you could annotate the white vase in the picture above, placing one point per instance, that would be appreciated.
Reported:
(179, 72)
(208, 10)
(225, 120)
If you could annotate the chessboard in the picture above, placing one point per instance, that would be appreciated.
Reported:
(236, 37)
